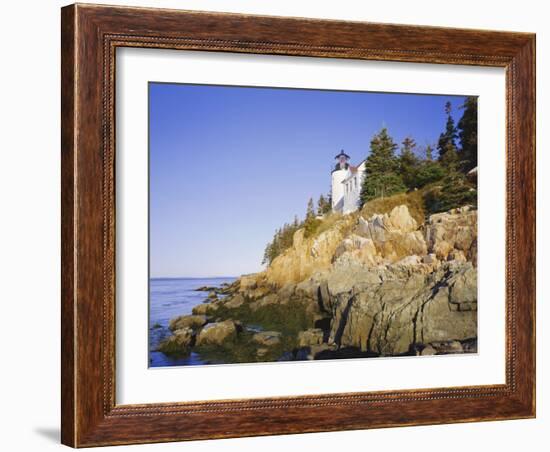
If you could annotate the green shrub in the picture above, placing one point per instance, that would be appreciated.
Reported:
(455, 191)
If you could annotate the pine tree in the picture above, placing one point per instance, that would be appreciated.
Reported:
(311, 223)
(449, 158)
(447, 140)
(408, 163)
(310, 212)
(323, 206)
(382, 156)
(381, 169)
(408, 145)
(467, 133)
(429, 153)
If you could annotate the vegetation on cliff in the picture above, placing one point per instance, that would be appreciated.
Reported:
(388, 173)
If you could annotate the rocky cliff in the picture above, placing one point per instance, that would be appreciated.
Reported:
(378, 286)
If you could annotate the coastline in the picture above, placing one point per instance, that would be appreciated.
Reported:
(377, 287)
(168, 302)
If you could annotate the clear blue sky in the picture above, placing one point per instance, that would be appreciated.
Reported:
(229, 165)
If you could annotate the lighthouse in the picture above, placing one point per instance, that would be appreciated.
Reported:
(346, 184)
(339, 174)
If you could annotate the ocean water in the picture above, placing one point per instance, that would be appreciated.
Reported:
(169, 298)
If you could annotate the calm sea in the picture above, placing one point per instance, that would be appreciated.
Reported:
(170, 297)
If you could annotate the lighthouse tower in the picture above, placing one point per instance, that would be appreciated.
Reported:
(340, 172)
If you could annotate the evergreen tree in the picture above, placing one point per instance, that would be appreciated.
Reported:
(381, 169)
(447, 140)
(429, 172)
(408, 145)
(311, 223)
(323, 205)
(310, 211)
(449, 158)
(320, 204)
(429, 153)
(408, 163)
(467, 133)
(455, 191)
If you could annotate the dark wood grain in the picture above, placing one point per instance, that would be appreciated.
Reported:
(68, 311)
(90, 36)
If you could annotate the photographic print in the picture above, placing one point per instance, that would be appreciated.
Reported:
(301, 224)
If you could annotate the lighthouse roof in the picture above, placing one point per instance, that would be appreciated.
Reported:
(342, 154)
(353, 170)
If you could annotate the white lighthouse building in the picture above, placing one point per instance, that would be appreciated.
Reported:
(346, 184)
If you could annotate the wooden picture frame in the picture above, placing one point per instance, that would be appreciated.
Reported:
(90, 36)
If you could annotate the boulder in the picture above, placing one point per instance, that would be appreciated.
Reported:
(267, 338)
(248, 282)
(217, 333)
(447, 347)
(401, 219)
(251, 286)
(286, 291)
(428, 351)
(393, 236)
(234, 302)
(453, 230)
(375, 228)
(179, 342)
(205, 308)
(265, 301)
(206, 289)
(313, 336)
(190, 321)
(357, 248)
(307, 288)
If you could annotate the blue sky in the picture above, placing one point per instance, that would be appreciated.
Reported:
(229, 165)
